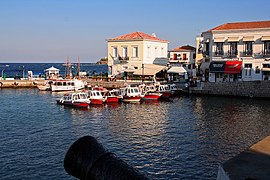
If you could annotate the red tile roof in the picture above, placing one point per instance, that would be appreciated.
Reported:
(242, 25)
(184, 48)
(136, 36)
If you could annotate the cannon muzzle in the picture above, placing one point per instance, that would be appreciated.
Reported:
(88, 159)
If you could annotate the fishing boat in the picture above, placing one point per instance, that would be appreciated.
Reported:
(131, 94)
(117, 93)
(67, 85)
(165, 90)
(111, 97)
(96, 97)
(149, 92)
(75, 99)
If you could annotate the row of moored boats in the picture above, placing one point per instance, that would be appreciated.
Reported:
(99, 95)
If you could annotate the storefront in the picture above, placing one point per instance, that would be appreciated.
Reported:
(266, 72)
(225, 71)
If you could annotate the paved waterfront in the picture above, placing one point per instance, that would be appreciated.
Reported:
(185, 138)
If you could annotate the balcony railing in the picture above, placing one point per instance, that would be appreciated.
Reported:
(123, 60)
(231, 54)
(263, 54)
(218, 53)
(246, 53)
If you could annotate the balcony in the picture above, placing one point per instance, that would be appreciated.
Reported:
(248, 53)
(231, 54)
(123, 60)
(263, 54)
(218, 53)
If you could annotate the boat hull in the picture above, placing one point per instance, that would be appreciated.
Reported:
(131, 98)
(96, 101)
(154, 96)
(112, 100)
(166, 94)
(73, 104)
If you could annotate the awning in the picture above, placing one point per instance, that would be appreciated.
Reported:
(217, 66)
(149, 70)
(129, 70)
(233, 67)
(233, 39)
(219, 39)
(265, 38)
(177, 70)
(265, 69)
(248, 38)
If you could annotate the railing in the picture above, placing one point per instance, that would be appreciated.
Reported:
(246, 53)
(231, 54)
(262, 54)
(218, 53)
(123, 60)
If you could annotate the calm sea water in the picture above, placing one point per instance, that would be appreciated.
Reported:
(20, 69)
(185, 138)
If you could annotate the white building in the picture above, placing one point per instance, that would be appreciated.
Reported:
(129, 52)
(184, 56)
(237, 51)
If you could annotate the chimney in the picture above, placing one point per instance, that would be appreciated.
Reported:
(154, 35)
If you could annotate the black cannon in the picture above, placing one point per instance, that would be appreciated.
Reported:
(87, 159)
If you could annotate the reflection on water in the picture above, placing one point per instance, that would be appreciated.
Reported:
(183, 138)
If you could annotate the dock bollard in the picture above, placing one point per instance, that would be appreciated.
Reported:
(88, 159)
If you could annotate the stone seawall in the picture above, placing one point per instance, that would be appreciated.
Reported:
(35, 83)
(21, 83)
(258, 89)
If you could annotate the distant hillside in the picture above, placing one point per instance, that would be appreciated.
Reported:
(103, 61)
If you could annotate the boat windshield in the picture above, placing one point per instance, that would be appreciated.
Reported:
(136, 90)
(83, 96)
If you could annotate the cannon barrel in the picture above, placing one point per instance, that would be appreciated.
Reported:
(88, 159)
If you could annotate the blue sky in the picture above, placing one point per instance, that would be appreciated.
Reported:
(52, 30)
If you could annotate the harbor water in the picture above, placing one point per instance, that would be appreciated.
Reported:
(184, 138)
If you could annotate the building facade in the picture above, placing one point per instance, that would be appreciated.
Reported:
(129, 52)
(183, 56)
(236, 52)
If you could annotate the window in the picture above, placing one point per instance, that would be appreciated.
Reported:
(233, 49)
(125, 51)
(206, 49)
(257, 70)
(162, 51)
(266, 48)
(114, 52)
(184, 56)
(135, 52)
(156, 51)
(148, 51)
(248, 68)
(219, 49)
(248, 48)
